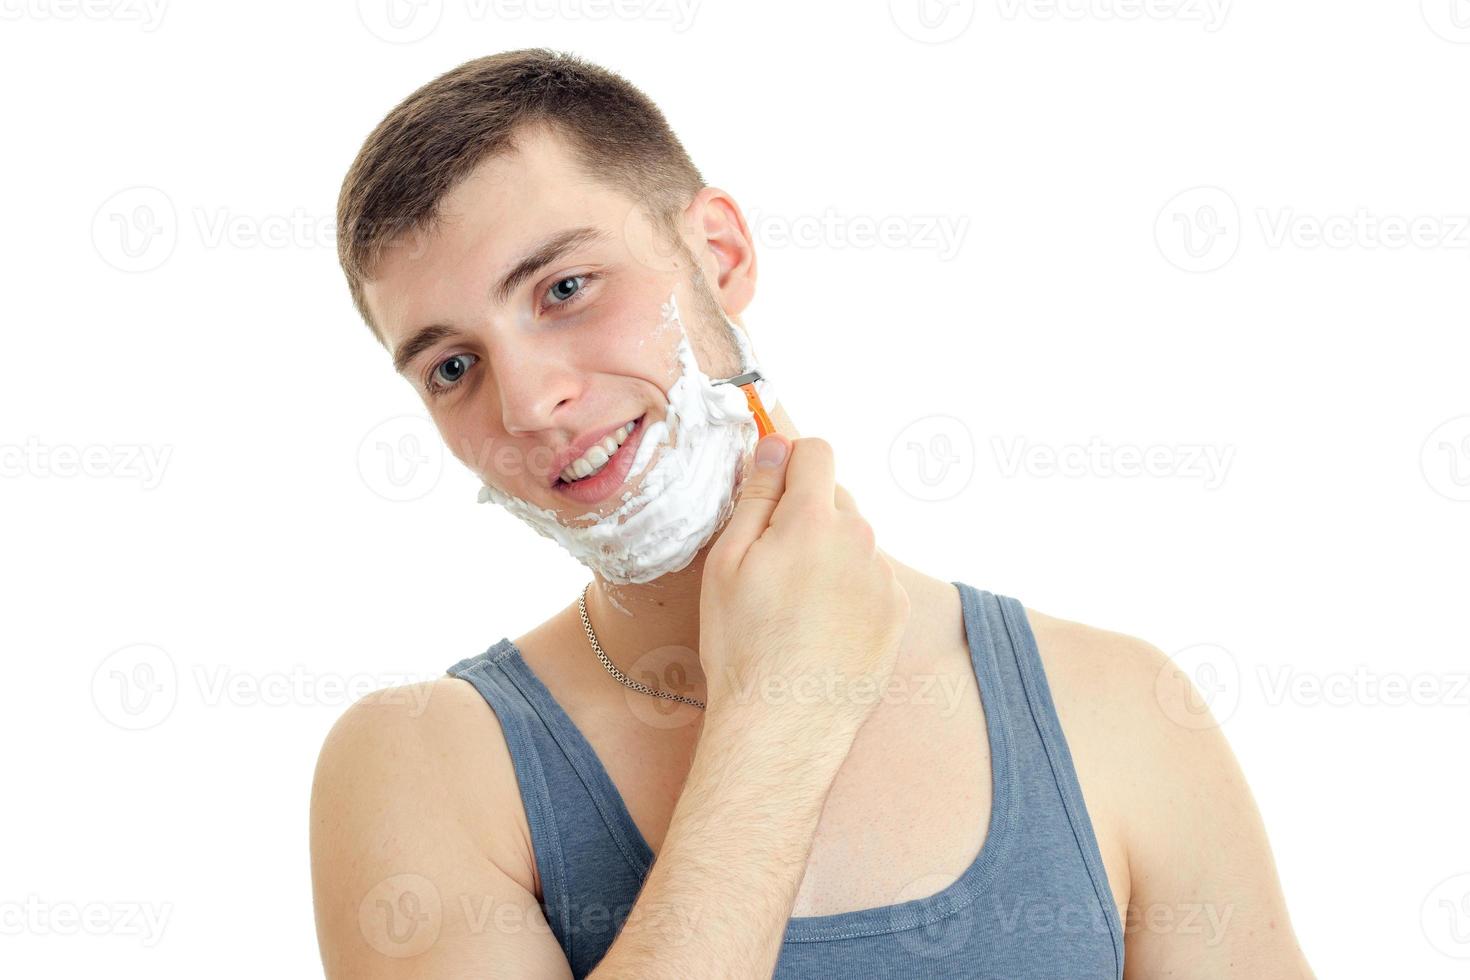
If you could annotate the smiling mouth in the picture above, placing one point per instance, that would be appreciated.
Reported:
(599, 485)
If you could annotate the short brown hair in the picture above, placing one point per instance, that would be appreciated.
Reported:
(440, 133)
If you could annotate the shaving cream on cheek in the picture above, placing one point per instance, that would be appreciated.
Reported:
(691, 463)
(763, 387)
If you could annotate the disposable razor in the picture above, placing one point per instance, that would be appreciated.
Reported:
(746, 383)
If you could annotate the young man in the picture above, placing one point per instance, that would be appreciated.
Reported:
(682, 774)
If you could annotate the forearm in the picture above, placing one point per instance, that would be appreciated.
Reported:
(716, 901)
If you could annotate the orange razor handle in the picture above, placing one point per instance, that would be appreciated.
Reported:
(762, 420)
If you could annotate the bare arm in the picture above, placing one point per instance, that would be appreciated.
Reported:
(414, 877)
(411, 877)
(721, 891)
(1206, 899)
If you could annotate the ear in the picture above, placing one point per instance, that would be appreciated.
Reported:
(722, 244)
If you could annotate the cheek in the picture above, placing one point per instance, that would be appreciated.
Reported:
(635, 342)
(490, 454)
(467, 436)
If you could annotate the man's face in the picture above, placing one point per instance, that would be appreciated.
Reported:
(571, 347)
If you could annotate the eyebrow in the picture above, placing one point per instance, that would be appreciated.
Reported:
(417, 344)
(547, 252)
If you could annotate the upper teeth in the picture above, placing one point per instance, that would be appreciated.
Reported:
(596, 458)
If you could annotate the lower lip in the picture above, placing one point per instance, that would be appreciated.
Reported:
(610, 478)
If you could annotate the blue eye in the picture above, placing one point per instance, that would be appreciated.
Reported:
(448, 372)
(564, 289)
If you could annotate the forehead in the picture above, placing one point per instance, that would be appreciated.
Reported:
(488, 221)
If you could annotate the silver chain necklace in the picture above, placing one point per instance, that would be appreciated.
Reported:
(612, 668)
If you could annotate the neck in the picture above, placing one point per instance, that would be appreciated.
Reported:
(651, 631)
(659, 620)
(632, 620)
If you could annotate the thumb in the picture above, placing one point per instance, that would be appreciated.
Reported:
(759, 495)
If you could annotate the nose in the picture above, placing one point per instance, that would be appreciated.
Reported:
(533, 385)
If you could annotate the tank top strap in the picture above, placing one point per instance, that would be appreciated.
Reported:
(1050, 792)
(582, 836)
(527, 737)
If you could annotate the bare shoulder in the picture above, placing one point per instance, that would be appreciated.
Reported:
(1073, 652)
(417, 855)
(1102, 683)
(1120, 691)
(1098, 679)
(1116, 696)
(430, 753)
(1169, 797)
(1131, 710)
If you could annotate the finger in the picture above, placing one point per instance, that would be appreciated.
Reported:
(759, 494)
(809, 475)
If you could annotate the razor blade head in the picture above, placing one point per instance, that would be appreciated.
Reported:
(741, 379)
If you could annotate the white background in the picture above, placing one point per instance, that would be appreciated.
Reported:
(1180, 225)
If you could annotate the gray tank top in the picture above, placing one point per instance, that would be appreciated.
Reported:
(1034, 903)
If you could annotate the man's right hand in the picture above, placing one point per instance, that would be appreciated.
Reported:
(796, 603)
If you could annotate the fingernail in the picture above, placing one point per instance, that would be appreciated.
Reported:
(770, 452)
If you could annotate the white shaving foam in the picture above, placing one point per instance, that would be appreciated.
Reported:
(698, 455)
